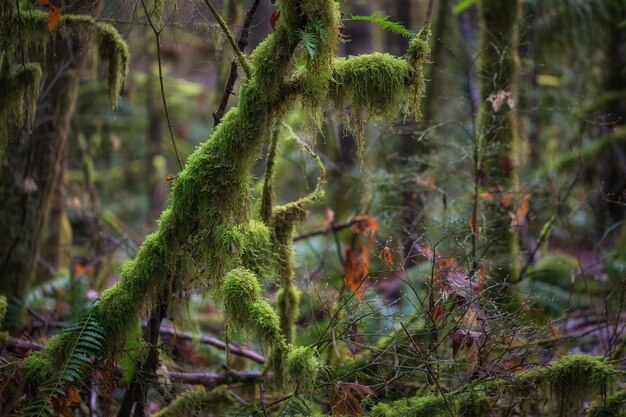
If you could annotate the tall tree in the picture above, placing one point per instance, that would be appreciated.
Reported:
(498, 135)
(32, 161)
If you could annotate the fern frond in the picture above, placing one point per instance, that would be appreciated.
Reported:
(296, 407)
(309, 42)
(86, 348)
(394, 27)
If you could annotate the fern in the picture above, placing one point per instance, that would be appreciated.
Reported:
(311, 37)
(309, 42)
(296, 407)
(394, 27)
(86, 349)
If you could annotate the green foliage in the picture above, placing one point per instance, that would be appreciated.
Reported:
(3, 309)
(85, 339)
(395, 27)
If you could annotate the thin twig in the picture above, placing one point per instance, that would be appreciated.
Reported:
(262, 400)
(429, 12)
(242, 60)
(429, 369)
(333, 228)
(232, 76)
(157, 35)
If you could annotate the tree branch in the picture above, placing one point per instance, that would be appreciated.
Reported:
(232, 76)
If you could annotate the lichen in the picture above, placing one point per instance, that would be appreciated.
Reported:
(301, 368)
(197, 402)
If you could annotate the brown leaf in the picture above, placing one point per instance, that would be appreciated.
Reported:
(346, 399)
(73, 396)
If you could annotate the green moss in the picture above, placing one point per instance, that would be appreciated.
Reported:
(614, 406)
(39, 367)
(19, 93)
(555, 268)
(257, 252)
(3, 309)
(287, 302)
(113, 50)
(572, 379)
(427, 406)
(380, 84)
(198, 402)
(301, 368)
(474, 405)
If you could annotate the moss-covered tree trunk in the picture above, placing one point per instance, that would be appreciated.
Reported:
(497, 123)
(32, 168)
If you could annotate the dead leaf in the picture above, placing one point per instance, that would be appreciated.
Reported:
(346, 399)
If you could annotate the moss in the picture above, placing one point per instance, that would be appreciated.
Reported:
(113, 50)
(427, 406)
(555, 268)
(301, 368)
(39, 367)
(18, 95)
(287, 302)
(257, 252)
(376, 84)
(614, 406)
(247, 311)
(474, 405)
(197, 402)
(572, 379)
(3, 309)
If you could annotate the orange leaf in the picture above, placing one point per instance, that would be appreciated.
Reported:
(355, 269)
(54, 15)
(73, 396)
(170, 178)
(43, 2)
(385, 255)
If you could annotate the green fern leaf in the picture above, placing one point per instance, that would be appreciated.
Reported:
(309, 42)
(394, 27)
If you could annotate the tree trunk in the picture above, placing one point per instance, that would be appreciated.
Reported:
(498, 134)
(33, 169)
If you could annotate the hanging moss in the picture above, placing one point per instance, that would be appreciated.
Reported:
(572, 379)
(257, 252)
(113, 50)
(198, 402)
(613, 406)
(380, 84)
(18, 95)
(301, 368)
